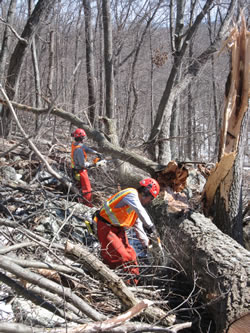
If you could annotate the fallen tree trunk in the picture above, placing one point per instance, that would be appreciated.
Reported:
(220, 264)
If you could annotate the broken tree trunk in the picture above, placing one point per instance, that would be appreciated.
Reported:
(220, 264)
(222, 193)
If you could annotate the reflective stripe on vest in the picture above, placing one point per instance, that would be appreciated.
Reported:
(73, 148)
(120, 217)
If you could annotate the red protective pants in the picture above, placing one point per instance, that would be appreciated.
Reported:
(115, 248)
(85, 188)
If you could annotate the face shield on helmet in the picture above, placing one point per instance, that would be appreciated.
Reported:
(79, 133)
(152, 185)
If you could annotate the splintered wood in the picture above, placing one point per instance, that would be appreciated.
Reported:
(236, 105)
(173, 176)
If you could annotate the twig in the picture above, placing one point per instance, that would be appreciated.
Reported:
(15, 247)
(24, 41)
(34, 148)
(59, 302)
(31, 296)
(51, 286)
(59, 230)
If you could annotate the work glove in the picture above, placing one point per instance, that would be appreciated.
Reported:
(155, 253)
(101, 163)
(155, 248)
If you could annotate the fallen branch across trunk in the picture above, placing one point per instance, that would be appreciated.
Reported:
(30, 295)
(114, 283)
(51, 286)
(6, 327)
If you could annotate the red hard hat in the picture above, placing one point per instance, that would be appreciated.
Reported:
(79, 133)
(152, 185)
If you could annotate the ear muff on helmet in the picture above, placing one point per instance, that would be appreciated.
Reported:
(152, 185)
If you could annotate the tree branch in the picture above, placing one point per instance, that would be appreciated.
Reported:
(108, 148)
(51, 286)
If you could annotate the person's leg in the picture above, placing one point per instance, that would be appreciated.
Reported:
(86, 188)
(116, 251)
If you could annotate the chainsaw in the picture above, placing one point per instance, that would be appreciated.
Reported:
(99, 162)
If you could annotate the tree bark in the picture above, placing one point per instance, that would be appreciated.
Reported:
(90, 61)
(51, 64)
(40, 11)
(37, 79)
(108, 59)
(178, 39)
(222, 193)
(4, 53)
(77, 41)
(220, 263)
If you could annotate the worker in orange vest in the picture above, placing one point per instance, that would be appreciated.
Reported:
(80, 164)
(125, 210)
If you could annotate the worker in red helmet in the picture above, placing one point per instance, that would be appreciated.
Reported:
(123, 210)
(80, 164)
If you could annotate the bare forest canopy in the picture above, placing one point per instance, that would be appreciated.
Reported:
(162, 89)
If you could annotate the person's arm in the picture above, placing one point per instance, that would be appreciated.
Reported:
(91, 151)
(141, 234)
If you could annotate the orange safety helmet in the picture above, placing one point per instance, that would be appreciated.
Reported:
(152, 185)
(79, 133)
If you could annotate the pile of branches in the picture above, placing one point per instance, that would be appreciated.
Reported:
(50, 258)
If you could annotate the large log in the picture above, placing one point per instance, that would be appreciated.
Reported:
(220, 263)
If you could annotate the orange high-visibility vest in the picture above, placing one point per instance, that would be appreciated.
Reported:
(120, 217)
(73, 148)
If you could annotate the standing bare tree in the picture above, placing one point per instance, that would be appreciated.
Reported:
(172, 90)
(40, 11)
(4, 53)
(108, 59)
(223, 190)
(176, 45)
(38, 92)
(90, 67)
(191, 108)
(79, 26)
(131, 110)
